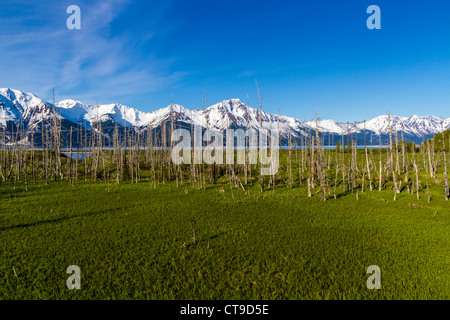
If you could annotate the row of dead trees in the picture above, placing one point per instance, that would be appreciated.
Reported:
(131, 155)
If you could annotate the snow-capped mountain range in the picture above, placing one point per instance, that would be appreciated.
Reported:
(26, 110)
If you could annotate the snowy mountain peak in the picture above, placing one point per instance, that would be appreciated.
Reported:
(68, 103)
(28, 110)
(231, 105)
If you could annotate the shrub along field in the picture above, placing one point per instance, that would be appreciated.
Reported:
(136, 241)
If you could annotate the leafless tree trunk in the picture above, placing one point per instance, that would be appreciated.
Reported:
(260, 130)
(392, 157)
(445, 163)
(367, 159)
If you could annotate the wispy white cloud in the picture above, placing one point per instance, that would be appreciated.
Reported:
(38, 54)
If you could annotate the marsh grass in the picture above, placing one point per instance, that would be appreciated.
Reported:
(134, 241)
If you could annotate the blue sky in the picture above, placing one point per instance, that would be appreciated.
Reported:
(305, 55)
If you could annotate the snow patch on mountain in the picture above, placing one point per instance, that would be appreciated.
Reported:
(29, 110)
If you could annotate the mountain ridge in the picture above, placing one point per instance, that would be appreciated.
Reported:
(26, 110)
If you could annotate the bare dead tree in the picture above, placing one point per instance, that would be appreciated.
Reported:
(446, 190)
(367, 158)
(391, 154)
(260, 132)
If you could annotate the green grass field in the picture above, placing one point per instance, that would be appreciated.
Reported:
(129, 241)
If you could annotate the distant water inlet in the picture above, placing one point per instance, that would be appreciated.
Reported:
(80, 156)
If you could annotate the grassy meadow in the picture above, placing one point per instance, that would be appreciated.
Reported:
(135, 241)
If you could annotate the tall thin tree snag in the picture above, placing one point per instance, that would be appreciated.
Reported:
(125, 148)
(95, 154)
(3, 153)
(397, 157)
(247, 143)
(380, 164)
(367, 158)
(404, 160)
(57, 140)
(210, 168)
(45, 149)
(355, 170)
(193, 169)
(53, 132)
(311, 164)
(336, 177)
(170, 137)
(403, 151)
(301, 165)
(343, 164)
(260, 146)
(202, 182)
(348, 137)
(164, 151)
(297, 159)
(78, 149)
(391, 154)
(151, 159)
(117, 152)
(417, 178)
(25, 167)
(278, 130)
(32, 160)
(430, 160)
(445, 163)
(69, 159)
(320, 160)
(312, 161)
(85, 148)
(290, 157)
